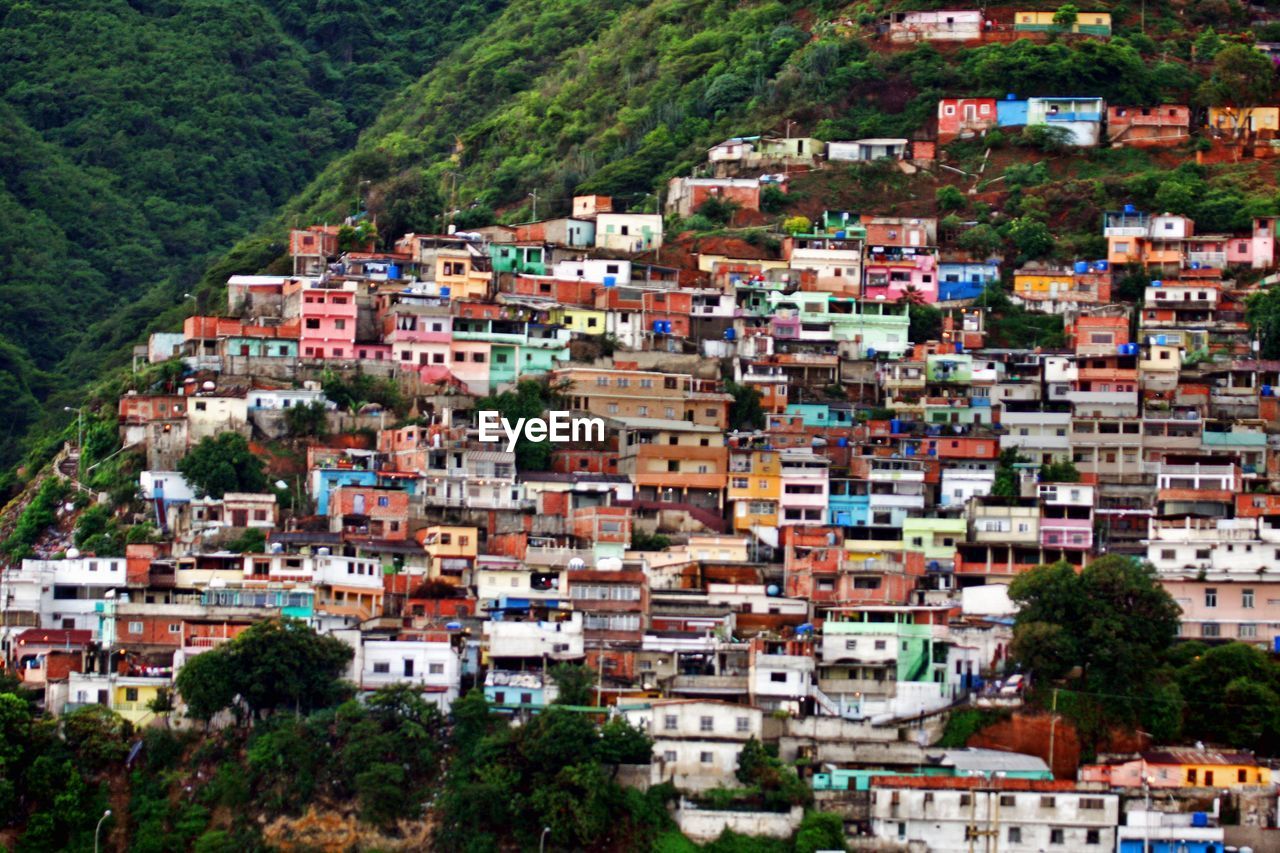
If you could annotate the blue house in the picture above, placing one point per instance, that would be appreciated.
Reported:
(325, 480)
(1011, 112)
(965, 279)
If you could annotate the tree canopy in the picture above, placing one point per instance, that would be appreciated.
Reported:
(223, 463)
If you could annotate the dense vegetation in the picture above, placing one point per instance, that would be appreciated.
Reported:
(139, 140)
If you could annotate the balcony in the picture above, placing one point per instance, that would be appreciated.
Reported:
(729, 685)
(1073, 116)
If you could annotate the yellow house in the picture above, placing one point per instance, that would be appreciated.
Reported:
(457, 270)
(128, 695)
(755, 487)
(451, 551)
(1087, 23)
(1231, 119)
(584, 321)
(1042, 284)
(1181, 767)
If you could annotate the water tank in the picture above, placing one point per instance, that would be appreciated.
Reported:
(453, 626)
(657, 327)
(208, 385)
(1195, 265)
(772, 589)
(1157, 283)
(730, 334)
(445, 292)
(1082, 267)
(871, 352)
(1268, 391)
(1102, 266)
(1130, 209)
(1011, 97)
(895, 426)
(393, 271)
(611, 281)
(1199, 819)
(323, 552)
(842, 442)
(959, 347)
(840, 235)
(277, 547)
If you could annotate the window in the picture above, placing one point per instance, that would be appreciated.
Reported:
(175, 628)
(1047, 802)
(131, 694)
(706, 758)
(850, 645)
(1248, 632)
(1056, 836)
(1210, 629)
(1210, 597)
(669, 722)
(669, 755)
(1092, 836)
(1015, 835)
(385, 667)
(1246, 598)
(1191, 776)
(1093, 803)
(135, 627)
(778, 677)
(436, 669)
(1007, 800)
(743, 724)
(706, 724)
(881, 645)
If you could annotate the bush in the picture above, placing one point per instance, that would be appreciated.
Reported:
(949, 198)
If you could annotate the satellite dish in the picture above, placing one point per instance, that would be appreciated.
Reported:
(277, 547)
(73, 553)
(576, 564)
(323, 552)
(208, 385)
(281, 484)
(609, 564)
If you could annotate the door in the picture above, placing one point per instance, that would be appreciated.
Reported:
(359, 505)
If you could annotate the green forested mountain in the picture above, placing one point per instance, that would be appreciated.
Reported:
(139, 140)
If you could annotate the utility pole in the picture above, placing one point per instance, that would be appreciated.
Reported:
(1053, 723)
(534, 195)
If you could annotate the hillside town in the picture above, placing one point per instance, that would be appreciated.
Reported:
(802, 521)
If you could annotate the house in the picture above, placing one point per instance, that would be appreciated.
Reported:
(965, 117)
(373, 511)
(328, 313)
(426, 661)
(1148, 127)
(686, 195)
(861, 150)
(629, 232)
(751, 152)
(1233, 120)
(1029, 815)
(577, 233)
(1080, 117)
(696, 742)
(1086, 23)
(949, 25)
(1179, 767)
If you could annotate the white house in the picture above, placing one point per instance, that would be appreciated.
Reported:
(696, 742)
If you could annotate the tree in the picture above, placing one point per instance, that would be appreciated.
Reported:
(622, 743)
(223, 463)
(1232, 696)
(1059, 472)
(949, 198)
(1066, 16)
(718, 210)
(820, 831)
(1113, 620)
(1007, 483)
(308, 420)
(1242, 78)
(982, 241)
(796, 224)
(278, 663)
(96, 735)
(575, 684)
(1262, 311)
(1031, 236)
(745, 412)
(924, 322)
(530, 399)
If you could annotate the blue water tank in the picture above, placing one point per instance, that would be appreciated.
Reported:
(842, 442)
(1268, 391)
(730, 334)
(911, 450)
(1011, 97)
(871, 352)
(393, 271)
(895, 426)
(1128, 208)
(1195, 265)
(1199, 819)
(657, 327)
(445, 291)
(839, 235)
(959, 347)
(611, 281)
(1082, 267)
(1102, 266)
(666, 327)
(772, 589)
(1157, 283)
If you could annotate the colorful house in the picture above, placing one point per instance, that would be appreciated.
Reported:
(1086, 23)
(965, 117)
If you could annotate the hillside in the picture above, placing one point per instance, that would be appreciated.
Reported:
(141, 140)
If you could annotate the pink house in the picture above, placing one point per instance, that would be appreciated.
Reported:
(328, 314)
(891, 273)
(958, 116)
(470, 365)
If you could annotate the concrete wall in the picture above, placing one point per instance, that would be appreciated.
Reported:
(702, 826)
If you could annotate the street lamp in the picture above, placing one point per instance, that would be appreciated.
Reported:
(79, 425)
(98, 829)
(542, 842)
